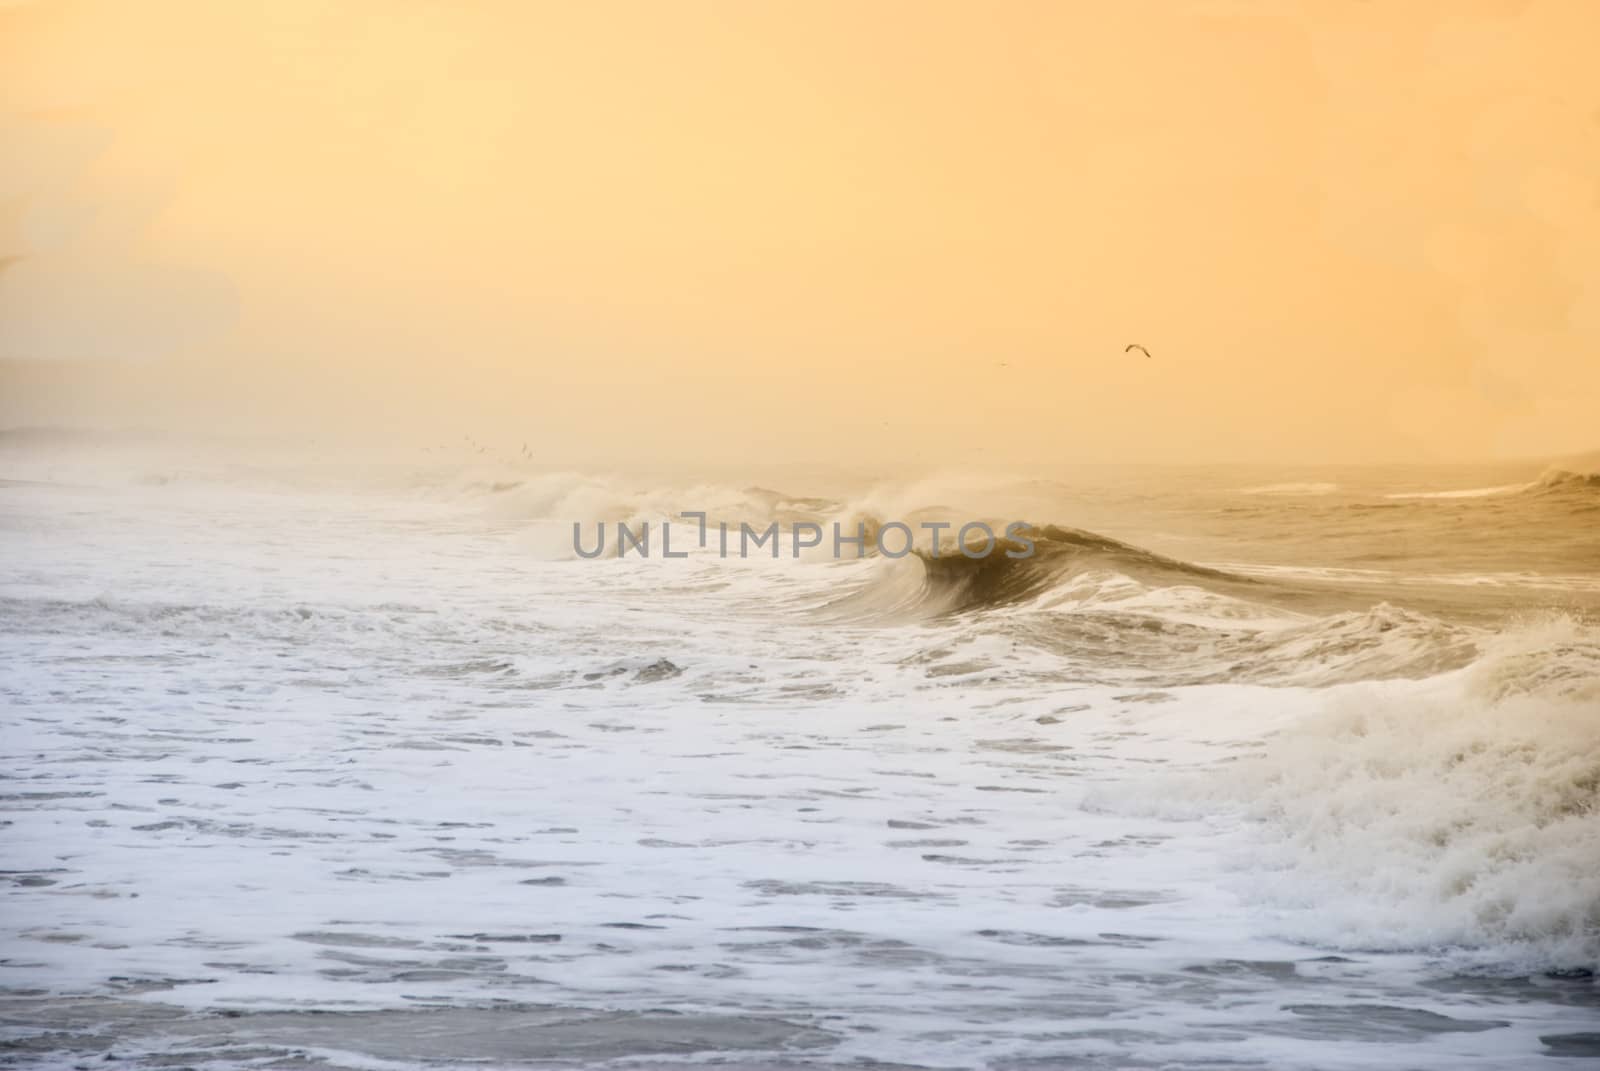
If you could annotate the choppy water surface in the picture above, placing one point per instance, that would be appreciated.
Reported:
(1242, 770)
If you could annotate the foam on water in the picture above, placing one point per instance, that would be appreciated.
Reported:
(277, 747)
(1457, 815)
(1291, 489)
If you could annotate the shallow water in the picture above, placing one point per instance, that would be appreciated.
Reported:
(362, 771)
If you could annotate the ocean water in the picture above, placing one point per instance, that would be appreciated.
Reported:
(315, 764)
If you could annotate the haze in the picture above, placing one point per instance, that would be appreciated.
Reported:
(820, 231)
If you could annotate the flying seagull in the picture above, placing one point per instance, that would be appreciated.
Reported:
(1135, 346)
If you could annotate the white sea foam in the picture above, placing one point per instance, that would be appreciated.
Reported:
(1458, 815)
(285, 748)
(1471, 492)
(1306, 489)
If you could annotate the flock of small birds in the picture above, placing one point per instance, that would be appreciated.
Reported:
(475, 447)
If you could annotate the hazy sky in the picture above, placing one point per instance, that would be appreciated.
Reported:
(1346, 231)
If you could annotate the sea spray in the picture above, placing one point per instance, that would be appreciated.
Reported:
(1458, 814)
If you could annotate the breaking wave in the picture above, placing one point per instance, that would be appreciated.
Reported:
(944, 581)
(1555, 482)
(1567, 483)
(948, 582)
(1457, 815)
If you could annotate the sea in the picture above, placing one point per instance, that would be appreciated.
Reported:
(322, 760)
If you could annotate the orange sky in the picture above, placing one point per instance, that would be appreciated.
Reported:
(809, 231)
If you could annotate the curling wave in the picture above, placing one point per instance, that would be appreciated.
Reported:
(948, 582)
(1567, 483)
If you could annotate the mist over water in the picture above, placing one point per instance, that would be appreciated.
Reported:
(1261, 767)
(325, 746)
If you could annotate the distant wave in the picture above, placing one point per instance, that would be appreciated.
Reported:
(1565, 481)
(1474, 492)
(1555, 481)
(574, 496)
(554, 501)
(1291, 490)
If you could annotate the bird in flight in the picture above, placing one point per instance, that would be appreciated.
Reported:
(1130, 347)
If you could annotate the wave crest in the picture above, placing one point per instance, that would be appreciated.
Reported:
(1558, 481)
(1459, 815)
(935, 583)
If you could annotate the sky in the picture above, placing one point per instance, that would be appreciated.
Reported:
(821, 231)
